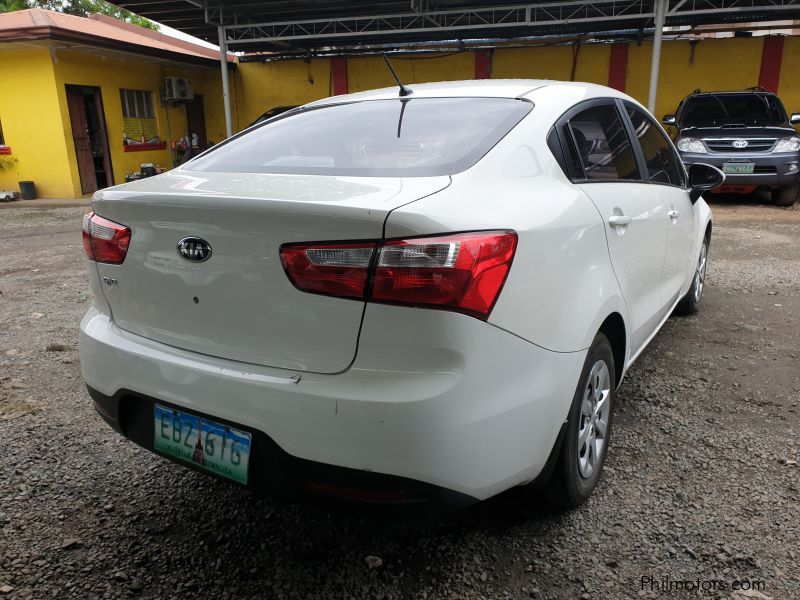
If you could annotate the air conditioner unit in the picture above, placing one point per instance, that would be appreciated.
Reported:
(178, 88)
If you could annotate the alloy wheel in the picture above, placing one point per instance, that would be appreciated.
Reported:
(594, 417)
(700, 273)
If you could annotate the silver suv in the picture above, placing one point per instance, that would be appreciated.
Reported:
(747, 135)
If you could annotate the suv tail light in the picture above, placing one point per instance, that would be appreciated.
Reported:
(463, 272)
(104, 240)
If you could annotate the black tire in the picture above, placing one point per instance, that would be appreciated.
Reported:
(785, 196)
(690, 303)
(570, 485)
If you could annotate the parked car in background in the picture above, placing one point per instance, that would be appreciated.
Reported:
(272, 112)
(397, 299)
(747, 134)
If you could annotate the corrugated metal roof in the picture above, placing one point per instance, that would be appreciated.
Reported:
(296, 26)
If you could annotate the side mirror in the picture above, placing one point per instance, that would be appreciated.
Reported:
(703, 177)
(795, 119)
(668, 120)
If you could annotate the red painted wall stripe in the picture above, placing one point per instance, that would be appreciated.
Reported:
(339, 75)
(483, 64)
(771, 57)
(618, 67)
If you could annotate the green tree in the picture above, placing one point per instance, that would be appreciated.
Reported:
(81, 8)
(12, 5)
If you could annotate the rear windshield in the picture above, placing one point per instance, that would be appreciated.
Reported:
(745, 109)
(376, 138)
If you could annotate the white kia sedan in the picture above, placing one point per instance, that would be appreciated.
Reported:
(398, 299)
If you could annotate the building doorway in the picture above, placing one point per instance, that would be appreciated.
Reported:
(89, 134)
(196, 123)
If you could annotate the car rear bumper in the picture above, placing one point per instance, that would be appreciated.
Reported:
(772, 170)
(276, 472)
(435, 405)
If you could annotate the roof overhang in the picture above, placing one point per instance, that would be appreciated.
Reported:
(57, 48)
(71, 37)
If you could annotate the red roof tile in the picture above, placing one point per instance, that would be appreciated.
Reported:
(38, 23)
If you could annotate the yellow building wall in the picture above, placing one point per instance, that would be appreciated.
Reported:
(32, 124)
(718, 64)
(553, 62)
(111, 73)
(789, 84)
(262, 86)
(370, 72)
(208, 82)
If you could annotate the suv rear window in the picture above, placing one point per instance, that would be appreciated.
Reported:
(374, 138)
(745, 108)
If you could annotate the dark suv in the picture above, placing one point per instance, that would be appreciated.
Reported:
(745, 134)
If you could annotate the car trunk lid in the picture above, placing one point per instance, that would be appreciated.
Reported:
(238, 303)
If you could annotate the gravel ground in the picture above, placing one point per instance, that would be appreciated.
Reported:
(702, 482)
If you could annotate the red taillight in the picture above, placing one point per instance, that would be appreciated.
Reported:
(463, 272)
(330, 269)
(104, 240)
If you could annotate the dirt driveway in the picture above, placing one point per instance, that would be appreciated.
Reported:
(702, 485)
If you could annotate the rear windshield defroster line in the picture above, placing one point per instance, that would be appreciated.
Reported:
(416, 137)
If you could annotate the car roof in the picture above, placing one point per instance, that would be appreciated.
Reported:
(489, 88)
(729, 93)
(484, 88)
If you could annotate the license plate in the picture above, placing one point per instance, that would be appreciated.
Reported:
(210, 445)
(738, 168)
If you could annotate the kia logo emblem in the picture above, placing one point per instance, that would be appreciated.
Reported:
(194, 248)
(740, 144)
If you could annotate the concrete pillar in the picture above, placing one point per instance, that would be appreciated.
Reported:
(661, 15)
(226, 93)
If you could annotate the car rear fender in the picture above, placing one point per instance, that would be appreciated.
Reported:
(561, 285)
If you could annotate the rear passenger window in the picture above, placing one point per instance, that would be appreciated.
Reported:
(601, 146)
(663, 165)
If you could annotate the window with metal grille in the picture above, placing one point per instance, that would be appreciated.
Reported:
(137, 104)
(139, 120)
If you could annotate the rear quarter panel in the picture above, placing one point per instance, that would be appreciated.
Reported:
(561, 286)
(703, 217)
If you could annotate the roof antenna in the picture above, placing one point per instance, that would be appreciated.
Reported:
(404, 91)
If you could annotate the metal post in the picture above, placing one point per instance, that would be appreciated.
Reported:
(660, 19)
(226, 95)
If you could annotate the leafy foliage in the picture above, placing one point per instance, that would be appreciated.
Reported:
(12, 5)
(81, 8)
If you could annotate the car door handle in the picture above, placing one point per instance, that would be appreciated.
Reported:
(673, 214)
(619, 220)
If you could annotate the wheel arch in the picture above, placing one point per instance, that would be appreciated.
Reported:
(613, 327)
